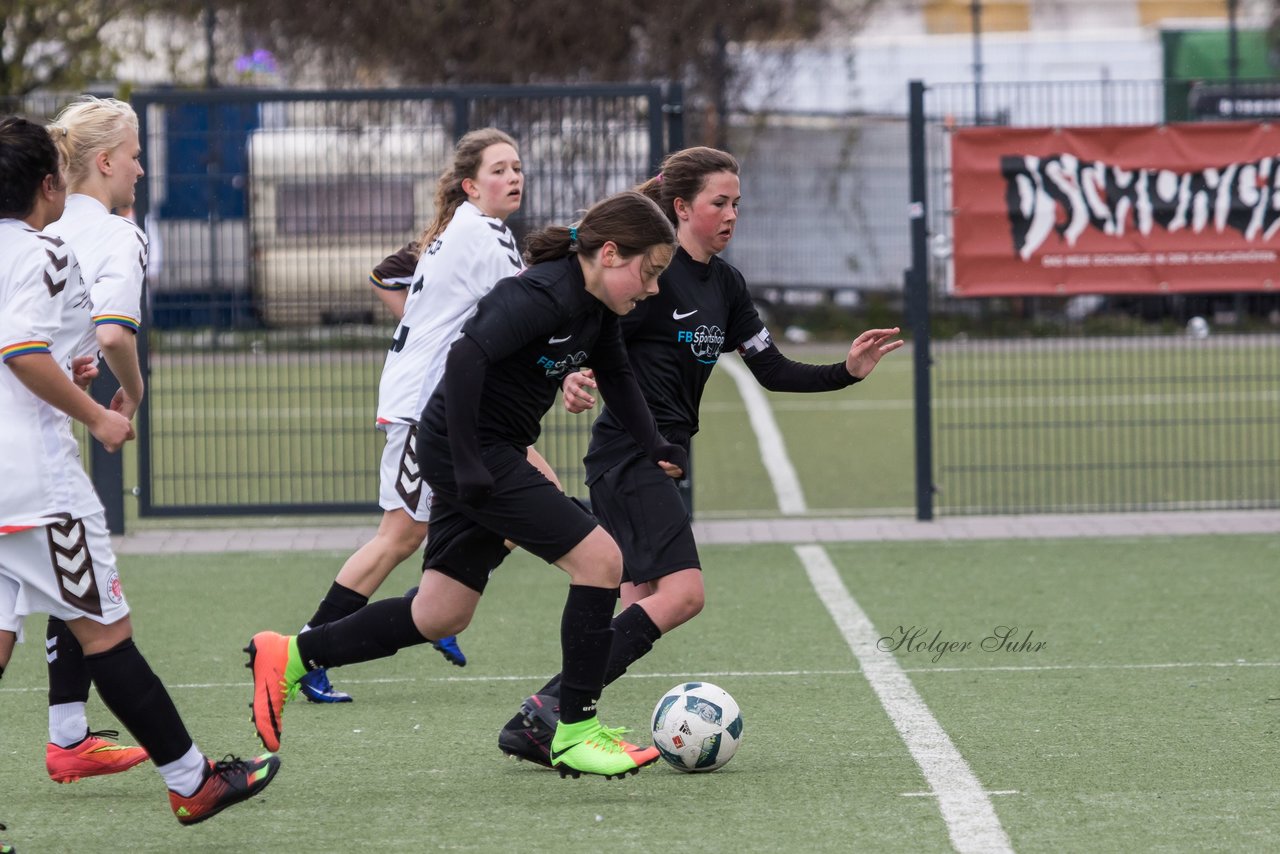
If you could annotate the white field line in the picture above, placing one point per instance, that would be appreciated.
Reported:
(773, 451)
(970, 818)
(718, 674)
(966, 808)
(822, 403)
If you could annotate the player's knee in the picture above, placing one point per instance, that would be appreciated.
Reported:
(400, 545)
(595, 562)
(689, 604)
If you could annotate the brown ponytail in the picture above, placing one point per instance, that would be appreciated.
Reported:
(631, 221)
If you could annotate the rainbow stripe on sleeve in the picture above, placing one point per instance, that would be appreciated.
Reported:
(23, 348)
(118, 319)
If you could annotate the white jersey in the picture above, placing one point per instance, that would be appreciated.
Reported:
(463, 264)
(44, 308)
(113, 258)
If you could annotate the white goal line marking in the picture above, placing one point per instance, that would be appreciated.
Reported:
(684, 676)
(773, 451)
(1031, 401)
(935, 794)
(970, 818)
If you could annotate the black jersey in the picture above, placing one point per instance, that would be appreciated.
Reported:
(674, 341)
(533, 329)
(675, 338)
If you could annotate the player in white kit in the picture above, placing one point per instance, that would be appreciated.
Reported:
(100, 153)
(465, 250)
(55, 552)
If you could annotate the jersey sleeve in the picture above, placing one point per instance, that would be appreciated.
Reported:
(609, 354)
(510, 316)
(33, 306)
(395, 272)
(117, 293)
(746, 332)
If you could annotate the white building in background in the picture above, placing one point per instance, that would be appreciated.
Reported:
(821, 133)
(932, 40)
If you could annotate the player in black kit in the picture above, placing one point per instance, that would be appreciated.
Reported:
(501, 377)
(703, 309)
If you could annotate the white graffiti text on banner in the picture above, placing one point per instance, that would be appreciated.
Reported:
(1065, 194)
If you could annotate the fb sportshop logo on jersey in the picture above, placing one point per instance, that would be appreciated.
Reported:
(560, 367)
(705, 342)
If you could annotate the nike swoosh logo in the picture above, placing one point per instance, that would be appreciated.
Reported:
(675, 315)
(554, 340)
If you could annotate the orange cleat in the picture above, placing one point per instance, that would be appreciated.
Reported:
(226, 783)
(268, 658)
(95, 756)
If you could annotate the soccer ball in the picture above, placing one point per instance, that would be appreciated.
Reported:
(697, 727)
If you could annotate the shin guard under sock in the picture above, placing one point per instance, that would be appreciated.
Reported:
(585, 640)
(68, 685)
(68, 675)
(135, 695)
(339, 602)
(377, 630)
(634, 635)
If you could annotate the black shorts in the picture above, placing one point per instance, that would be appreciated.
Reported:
(466, 543)
(643, 511)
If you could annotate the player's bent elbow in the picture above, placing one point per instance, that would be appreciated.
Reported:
(113, 336)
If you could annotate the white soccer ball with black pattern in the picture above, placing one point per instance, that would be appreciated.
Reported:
(697, 727)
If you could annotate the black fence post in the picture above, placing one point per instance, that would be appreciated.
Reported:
(673, 109)
(916, 282)
(141, 210)
(107, 469)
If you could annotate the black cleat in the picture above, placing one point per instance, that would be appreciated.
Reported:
(528, 735)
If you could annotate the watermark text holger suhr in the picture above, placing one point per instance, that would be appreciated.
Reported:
(920, 639)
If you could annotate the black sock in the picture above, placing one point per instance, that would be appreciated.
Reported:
(585, 640)
(339, 602)
(634, 634)
(135, 695)
(68, 674)
(377, 630)
(1, 671)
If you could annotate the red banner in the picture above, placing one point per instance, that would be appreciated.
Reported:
(1173, 208)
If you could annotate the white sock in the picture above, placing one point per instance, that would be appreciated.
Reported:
(67, 724)
(185, 774)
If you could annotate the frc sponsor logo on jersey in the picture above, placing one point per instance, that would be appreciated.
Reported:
(679, 315)
(554, 340)
(705, 342)
(559, 367)
(114, 591)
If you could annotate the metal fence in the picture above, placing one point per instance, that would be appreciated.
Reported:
(1090, 403)
(266, 210)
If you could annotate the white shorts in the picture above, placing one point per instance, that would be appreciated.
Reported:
(400, 483)
(66, 570)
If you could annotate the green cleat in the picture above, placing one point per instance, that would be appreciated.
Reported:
(589, 747)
